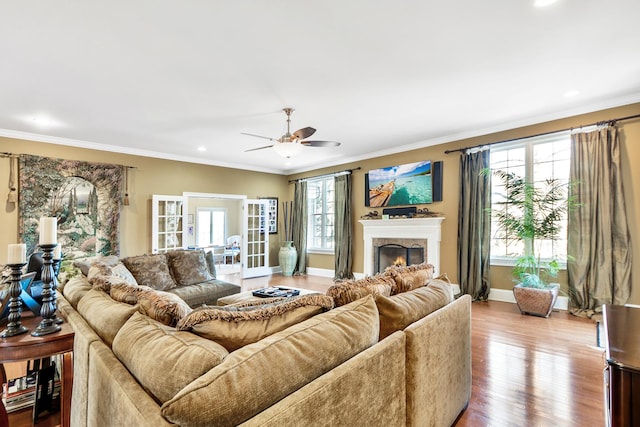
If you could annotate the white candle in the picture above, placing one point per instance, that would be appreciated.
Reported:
(17, 253)
(48, 230)
(57, 252)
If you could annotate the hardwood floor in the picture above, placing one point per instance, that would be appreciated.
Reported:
(531, 371)
(527, 371)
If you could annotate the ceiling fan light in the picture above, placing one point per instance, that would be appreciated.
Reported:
(288, 149)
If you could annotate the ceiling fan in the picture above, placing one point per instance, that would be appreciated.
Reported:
(290, 144)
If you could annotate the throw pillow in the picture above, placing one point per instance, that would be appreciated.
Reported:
(346, 292)
(161, 306)
(124, 292)
(399, 311)
(411, 276)
(211, 264)
(150, 270)
(164, 307)
(235, 327)
(98, 269)
(121, 271)
(104, 283)
(85, 264)
(162, 359)
(188, 267)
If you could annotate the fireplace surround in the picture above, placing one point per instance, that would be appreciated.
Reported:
(425, 232)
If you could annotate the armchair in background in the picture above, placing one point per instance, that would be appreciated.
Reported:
(232, 250)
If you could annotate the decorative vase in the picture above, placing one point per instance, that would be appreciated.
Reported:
(534, 301)
(288, 256)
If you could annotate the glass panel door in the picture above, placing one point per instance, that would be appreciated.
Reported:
(167, 224)
(256, 243)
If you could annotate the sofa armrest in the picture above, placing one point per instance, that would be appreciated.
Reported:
(439, 365)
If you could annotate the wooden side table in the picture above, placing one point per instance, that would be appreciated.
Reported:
(26, 347)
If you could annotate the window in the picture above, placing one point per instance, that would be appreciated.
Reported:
(536, 159)
(211, 225)
(320, 226)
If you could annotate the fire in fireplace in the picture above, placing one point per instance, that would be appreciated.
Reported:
(395, 254)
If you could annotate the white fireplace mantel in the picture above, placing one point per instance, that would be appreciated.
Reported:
(402, 228)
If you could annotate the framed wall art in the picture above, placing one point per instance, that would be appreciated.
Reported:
(272, 214)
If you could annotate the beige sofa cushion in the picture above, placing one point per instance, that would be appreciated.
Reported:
(103, 314)
(162, 359)
(346, 292)
(410, 277)
(188, 267)
(235, 327)
(256, 376)
(150, 270)
(75, 289)
(399, 311)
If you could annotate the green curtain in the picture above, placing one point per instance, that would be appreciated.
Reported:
(474, 224)
(300, 225)
(343, 228)
(599, 247)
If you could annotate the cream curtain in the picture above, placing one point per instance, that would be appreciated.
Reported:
(474, 224)
(300, 225)
(599, 247)
(343, 228)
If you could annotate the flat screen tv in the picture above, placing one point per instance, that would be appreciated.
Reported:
(408, 184)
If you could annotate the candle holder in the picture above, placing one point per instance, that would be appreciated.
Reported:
(14, 327)
(48, 308)
(54, 288)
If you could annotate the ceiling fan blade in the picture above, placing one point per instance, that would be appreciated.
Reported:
(304, 132)
(258, 136)
(320, 143)
(259, 148)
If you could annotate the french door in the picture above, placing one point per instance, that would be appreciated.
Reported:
(256, 239)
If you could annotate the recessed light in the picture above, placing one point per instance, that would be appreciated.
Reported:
(571, 93)
(202, 148)
(543, 3)
(42, 121)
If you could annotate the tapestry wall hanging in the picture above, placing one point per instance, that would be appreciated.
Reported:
(85, 197)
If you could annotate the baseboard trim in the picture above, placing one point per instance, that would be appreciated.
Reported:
(321, 272)
(503, 295)
(325, 272)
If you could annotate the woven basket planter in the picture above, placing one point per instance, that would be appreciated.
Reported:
(534, 301)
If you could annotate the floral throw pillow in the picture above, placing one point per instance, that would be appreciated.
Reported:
(150, 270)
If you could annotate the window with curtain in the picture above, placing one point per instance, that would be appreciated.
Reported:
(211, 226)
(535, 159)
(320, 226)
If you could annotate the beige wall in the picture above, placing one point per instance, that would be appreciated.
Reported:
(154, 176)
(150, 176)
(500, 276)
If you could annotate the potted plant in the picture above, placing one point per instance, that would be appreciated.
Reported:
(533, 213)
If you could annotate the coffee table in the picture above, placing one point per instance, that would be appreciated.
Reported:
(248, 296)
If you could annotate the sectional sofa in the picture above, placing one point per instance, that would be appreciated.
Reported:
(147, 359)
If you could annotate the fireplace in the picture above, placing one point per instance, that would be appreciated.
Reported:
(388, 252)
(421, 233)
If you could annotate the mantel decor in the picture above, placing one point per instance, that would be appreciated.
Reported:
(85, 197)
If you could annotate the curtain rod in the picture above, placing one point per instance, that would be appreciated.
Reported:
(635, 116)
(6, 154)
(326, 174)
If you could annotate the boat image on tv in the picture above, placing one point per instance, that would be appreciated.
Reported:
(408, 184)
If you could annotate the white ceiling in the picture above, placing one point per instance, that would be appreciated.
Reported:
(161, 78)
